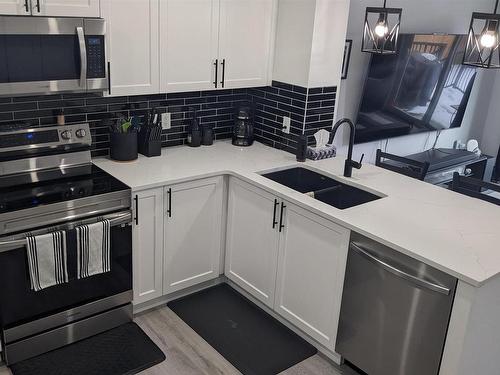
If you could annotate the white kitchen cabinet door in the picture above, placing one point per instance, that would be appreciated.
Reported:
(193, 233)
(132, 45)
(189, 40)
(252, 242)
(245, 38)
(311, 267)
(65, 8)
(15, 7)
(148, 246)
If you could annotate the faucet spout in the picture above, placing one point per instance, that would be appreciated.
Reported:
(349, 163)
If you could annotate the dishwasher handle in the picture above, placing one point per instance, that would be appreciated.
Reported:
(399, 273)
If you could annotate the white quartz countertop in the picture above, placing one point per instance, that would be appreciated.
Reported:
(454, 233)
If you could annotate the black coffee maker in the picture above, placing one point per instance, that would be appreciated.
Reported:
(243, 126)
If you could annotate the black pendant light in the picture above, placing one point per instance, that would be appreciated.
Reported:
(381, 32)
(484, 40)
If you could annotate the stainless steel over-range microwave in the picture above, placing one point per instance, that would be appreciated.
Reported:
(43, 55)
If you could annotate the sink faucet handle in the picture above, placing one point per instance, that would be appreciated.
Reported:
(358, 164)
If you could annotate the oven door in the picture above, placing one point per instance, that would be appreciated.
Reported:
(24, 312)
(50, 55)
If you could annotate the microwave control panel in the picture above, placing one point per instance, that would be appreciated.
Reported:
(96, 62)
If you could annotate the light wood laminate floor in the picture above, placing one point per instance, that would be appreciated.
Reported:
(188, 354)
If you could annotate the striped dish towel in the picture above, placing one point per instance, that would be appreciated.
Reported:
(93, 249)
(47, 260)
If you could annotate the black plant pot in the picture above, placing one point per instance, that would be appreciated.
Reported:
(123, 146)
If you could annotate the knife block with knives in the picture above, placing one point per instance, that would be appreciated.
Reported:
(150, 135)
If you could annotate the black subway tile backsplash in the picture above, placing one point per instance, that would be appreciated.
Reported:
(309, 109)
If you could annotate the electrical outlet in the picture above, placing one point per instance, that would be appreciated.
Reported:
(286, 125)
(166, 120)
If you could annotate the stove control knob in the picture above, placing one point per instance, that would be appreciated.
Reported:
(66, 135)
(80, 133)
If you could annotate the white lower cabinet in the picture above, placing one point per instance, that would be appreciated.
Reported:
(311, 266)
(289, 258)
(193, 233)
(252, 240)
(148, 245)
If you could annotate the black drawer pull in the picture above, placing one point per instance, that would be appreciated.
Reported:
(216, 64)
(136, 199)
(276, 204)
(281, 216)
(169, 211)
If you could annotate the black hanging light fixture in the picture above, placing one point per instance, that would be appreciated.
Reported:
(484, 40)
(381, 32)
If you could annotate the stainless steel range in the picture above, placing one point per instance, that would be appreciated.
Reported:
(48, 183)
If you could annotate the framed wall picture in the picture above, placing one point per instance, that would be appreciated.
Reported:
(347, 58)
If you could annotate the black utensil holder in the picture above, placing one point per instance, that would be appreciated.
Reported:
(150, 148)
(123, 146)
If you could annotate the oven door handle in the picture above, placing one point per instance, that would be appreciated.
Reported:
(114, 220)
(83, 56)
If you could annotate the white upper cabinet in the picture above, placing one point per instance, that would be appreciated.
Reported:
(15, 7)
(245, 40)
(252, 240)
(311, 267)
(193, 233)
(132, 45)
(215, 44)
(189, 40)
(65, 8)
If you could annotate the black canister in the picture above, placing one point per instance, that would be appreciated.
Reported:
(301, 151)
(208, 136)
(123, 146)
(194, 135)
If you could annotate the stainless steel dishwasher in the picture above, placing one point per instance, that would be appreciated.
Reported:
(395, 311)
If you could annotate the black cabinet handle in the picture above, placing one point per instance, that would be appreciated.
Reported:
(276, 204)
(223, 72)
(38, 6)
(26, 6)
(136, 199)
(109, 77)
(216, 64)
(281, 216)
(169, 211)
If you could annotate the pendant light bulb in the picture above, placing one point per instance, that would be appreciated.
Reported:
(489, 35)
(488, 40)
(381, 30)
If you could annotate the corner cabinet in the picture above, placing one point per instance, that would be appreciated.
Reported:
(147, 237)
(192, 233)
(216, 44)
(288, 258)
(132, 42)
(252, 240)
(311, 266)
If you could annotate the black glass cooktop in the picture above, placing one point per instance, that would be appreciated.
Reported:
(64, 185)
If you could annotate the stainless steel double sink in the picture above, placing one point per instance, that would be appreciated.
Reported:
(322, 188)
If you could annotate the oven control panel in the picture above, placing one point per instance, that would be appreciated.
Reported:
(54, 136)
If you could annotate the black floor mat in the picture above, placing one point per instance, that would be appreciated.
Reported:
(253, 341)
(122, 350)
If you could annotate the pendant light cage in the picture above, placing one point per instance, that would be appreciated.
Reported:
(381, 30)
(483, 42)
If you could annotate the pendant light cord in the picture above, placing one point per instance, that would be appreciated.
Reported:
(496, 7)
(385, 3)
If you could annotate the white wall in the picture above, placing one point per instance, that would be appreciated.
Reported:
(419, 16)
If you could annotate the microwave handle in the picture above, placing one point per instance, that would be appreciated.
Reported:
(83, 56)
